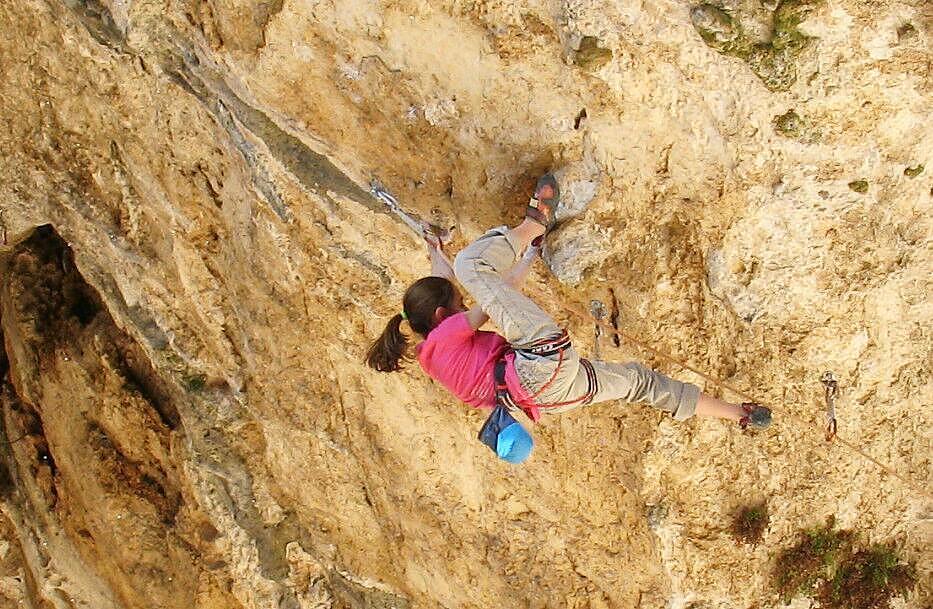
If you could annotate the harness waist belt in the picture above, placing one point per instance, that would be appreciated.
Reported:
(549, 346)
(544, 348)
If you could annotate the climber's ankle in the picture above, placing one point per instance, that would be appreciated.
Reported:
(525, 232)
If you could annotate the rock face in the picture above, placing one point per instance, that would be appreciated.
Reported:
(192, 268)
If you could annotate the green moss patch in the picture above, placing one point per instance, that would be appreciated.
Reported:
(774, 62)
(788, 16)
(859, 186)
(749, 523)
(719, 30)
(869, 579)
(800, 567)
(796, 127)
(827, 565)
(788, 124)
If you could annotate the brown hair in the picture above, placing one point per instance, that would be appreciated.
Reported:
(419, 303)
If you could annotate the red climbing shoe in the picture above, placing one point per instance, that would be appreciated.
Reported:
(756, 416)
(543, 204)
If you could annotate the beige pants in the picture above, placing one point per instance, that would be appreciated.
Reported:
(479, 267)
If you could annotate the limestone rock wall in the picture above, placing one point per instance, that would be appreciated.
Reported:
(192, 269)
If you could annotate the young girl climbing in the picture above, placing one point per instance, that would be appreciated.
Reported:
(532, 365)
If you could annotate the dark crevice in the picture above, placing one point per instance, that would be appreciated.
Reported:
(41, 466)
(64, 335)
(7, 486)
(579, 119)
(614, 317)
(45, 291)
(6, 480)
(141, 378)
(99, 23)
(67, 311)
(45, 457)
(130, 476)
(83, 308)
(4, 361)
(7, 483)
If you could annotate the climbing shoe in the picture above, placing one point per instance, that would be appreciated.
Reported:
(756, 416)
(543, 205)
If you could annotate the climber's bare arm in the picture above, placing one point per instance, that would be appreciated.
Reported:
(440, 265)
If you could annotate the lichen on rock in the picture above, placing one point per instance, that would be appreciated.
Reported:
(719, 29)
(774, 61)
(788, 124)
(590, 56)
(859, 186)
(794, 126)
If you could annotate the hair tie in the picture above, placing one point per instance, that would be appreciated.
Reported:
(405, 317)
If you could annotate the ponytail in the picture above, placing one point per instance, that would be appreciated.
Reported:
(387, 353)
(419, 303)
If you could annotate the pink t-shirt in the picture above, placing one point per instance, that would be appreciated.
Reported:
(462, 360)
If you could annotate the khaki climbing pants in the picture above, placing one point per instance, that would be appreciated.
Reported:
(479, 268)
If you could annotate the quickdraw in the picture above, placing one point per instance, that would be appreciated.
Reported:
(379, 191)
(427, 231)
(832, 391)
(598, 311)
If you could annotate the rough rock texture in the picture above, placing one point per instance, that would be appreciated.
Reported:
(192, 269)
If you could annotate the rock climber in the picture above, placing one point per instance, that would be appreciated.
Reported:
(532, 366)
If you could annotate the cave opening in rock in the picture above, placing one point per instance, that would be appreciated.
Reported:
(42, 278)
(53, 315)
(4, 361)
(89, 426)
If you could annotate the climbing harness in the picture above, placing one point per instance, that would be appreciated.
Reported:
(832, 390)
(503, 397)
(548, 347)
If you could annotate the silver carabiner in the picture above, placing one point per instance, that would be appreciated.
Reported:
(832, 391)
